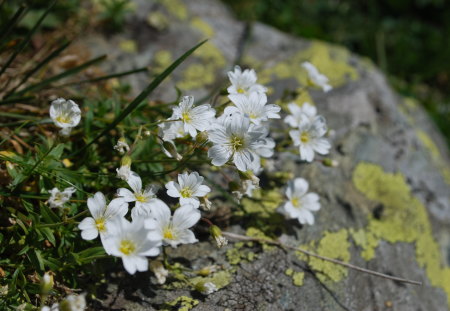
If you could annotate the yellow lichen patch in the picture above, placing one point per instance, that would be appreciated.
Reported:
(161, 61)
(158, 20)
(411, 103)
(367, 241)
(333, 245)
(429, 144)
(264, 204)
(435, 154)
(203, 27)
(182, 303)
(297, 278)
(239, 254)
(404, 219)
(256, 233)
(176, 8)
(128, 46)
(203, 72)
(330, 60)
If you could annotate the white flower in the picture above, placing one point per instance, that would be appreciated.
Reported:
(73, 303)
(298, 112)
(122, 146)
(102, 216)
(54, 307)
(173, 230)
(244, 82)
(129, 241)
(316, 78)
(65, 114)
(124, 172)
(172, 130)
(242, 142)
(309, 138)
(254, 106)
(59, 198)
(145, 200)
(160, 272)
(189, 188)
(194, 118)
(300, 204)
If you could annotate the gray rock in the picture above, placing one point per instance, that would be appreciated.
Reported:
(377, 134)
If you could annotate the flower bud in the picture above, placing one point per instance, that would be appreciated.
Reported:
(171, 151)
(122, 145)
(201, 137)
(46, 283)
(205, 203)
(330, 162)
(249, 175)
(126, 161)
(216, 233)
(205, 288)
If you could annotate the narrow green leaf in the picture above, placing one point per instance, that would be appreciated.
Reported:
(16, 100)
(27, 39)
(140, 98)
(64, 74)
(41, 64)
(4, 32)
(48, 215)
(23, 250)
(48, 233)
(52, 263)
(111, 76)
(90, 252)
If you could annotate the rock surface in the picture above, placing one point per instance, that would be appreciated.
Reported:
(386, 207)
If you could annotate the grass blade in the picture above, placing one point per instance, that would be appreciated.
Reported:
(4, 32)
(27, 39)
(64, 74)
(114, 75)
(51, 56)
(139, 99)
(16, 100)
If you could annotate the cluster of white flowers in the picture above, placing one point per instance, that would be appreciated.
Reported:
(239, 137)
(309, 128)
(152, 223)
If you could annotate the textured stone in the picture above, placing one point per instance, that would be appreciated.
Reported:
(395, 220)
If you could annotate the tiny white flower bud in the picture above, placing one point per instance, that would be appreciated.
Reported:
(122, 146)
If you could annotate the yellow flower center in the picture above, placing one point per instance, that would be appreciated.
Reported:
(236, 143)
(127, 247)
(186, 117)
(168, 234)
(63, 119)
(186, 192)
(140, 198)
(100, 224)
(58, 197)
(304, 137)
(296, 202)
(240, 90)
(253, 116)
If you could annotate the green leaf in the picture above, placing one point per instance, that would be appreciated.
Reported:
(48, 233)
(140, 98)
(52, 263)
(91, 252)
(48, 215)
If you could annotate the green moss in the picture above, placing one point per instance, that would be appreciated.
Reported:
(404, 219)
(333, 245)
(182, 303)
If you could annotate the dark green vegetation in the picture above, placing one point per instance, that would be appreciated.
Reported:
(33, 159)
(407, 39)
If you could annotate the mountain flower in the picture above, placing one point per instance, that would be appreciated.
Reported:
(59, 198)
(124, 171)
(65, 114)
(194, 118)
(173, 230)
(300, 204)
(298, 113)
(189, 188)
(171, 130)
(240, 141)
(128, 240)
(309, 138)
(102, 215)
(244, 82)
(254, 106)
(145, 199)
(316, 78)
